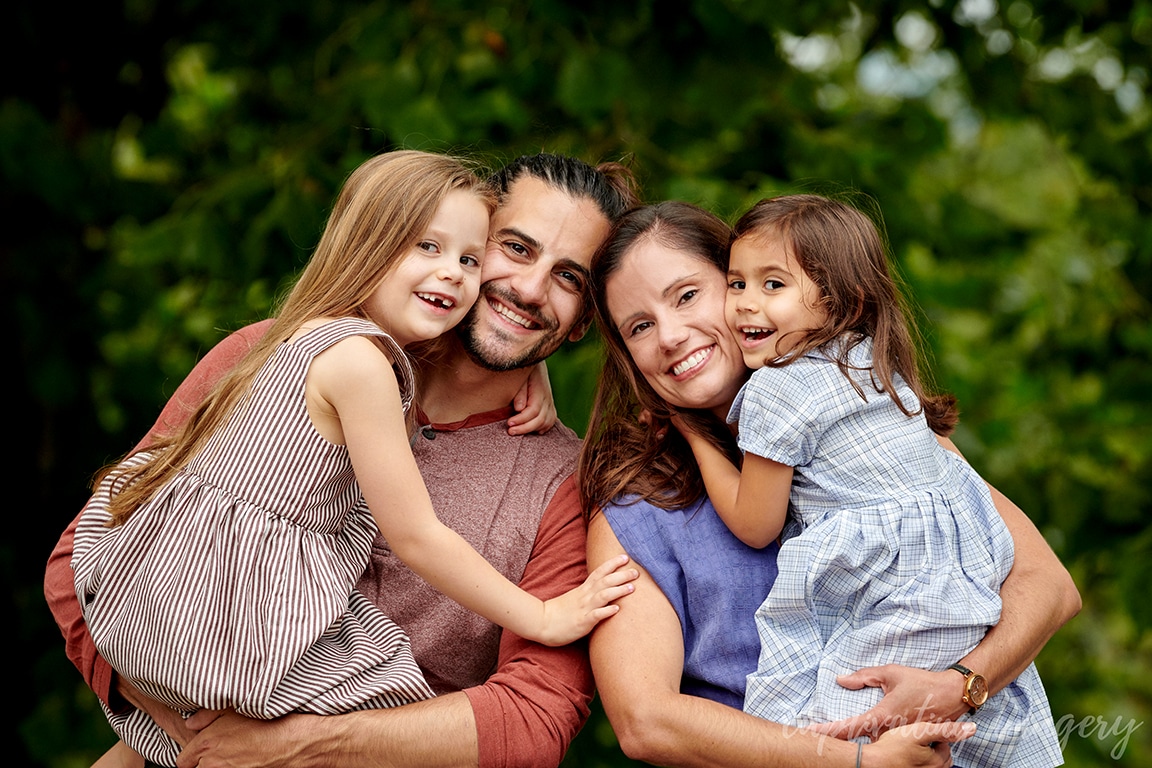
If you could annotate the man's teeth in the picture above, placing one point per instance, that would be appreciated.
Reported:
(690, 362)
(503, 311)
(437, 300)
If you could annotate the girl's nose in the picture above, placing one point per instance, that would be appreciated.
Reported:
(452, 270)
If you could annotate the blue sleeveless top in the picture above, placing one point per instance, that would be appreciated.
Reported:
(714, 581)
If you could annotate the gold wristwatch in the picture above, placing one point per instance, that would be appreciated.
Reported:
(975, 688)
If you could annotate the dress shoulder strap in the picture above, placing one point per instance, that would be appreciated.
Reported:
(319, 339)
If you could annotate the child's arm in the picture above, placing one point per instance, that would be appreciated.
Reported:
(753, 503)
(356, 382)
(534, 404)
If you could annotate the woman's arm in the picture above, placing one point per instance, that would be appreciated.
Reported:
(637, 659)
(1038, 598)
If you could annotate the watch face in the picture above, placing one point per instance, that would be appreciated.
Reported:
(977, 690)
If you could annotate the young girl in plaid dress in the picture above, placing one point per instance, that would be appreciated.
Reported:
(893, 551)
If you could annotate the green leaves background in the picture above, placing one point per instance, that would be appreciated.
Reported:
(167, 168)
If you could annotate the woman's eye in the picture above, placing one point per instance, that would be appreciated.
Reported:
(688, 295)
(638, 328)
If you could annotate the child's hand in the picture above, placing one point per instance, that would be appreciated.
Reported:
(647, 419)
(573, 614)
(535, 408)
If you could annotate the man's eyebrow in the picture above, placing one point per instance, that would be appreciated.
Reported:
(528, 240)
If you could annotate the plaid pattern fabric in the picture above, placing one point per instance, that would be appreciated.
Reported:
(894, 554)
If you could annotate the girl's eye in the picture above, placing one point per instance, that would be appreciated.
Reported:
(427, 246)
(773, 285)
(469, 260)
(736, 285)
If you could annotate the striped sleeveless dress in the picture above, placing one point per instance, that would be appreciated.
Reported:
(234, 586)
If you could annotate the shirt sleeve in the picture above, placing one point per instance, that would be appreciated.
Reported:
(530, 709)
(781, 412)
(59, 587)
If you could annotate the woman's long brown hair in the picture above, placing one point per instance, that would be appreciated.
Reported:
(383, 208)
(623, 455)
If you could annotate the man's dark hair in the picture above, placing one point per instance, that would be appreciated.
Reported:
(612, 185)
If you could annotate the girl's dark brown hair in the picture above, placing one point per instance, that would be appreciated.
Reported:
(621, 453)
(842, 252)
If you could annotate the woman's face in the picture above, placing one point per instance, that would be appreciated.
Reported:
(668, 306)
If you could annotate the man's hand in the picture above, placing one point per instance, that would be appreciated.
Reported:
(229, 740)
(910, 696)
(167, 718)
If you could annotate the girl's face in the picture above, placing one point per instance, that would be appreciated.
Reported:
(771, 301)
(435, 284)
(668, 306)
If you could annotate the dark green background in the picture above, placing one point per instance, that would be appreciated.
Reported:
(167, 166)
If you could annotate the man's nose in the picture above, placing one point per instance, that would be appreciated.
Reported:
(531, 283)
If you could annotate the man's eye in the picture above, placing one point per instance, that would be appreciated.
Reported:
(516, 248)
(571, 278)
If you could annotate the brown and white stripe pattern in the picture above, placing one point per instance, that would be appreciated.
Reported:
(234, 586)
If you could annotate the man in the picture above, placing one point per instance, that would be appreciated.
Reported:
(503, 700)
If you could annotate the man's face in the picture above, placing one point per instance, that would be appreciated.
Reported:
(535, 276)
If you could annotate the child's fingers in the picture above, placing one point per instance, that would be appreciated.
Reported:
(602, 613)
(617, 577)
(608, 566)
(611, 594)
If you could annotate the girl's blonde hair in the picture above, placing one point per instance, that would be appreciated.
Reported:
(842, 252)
(383, 208)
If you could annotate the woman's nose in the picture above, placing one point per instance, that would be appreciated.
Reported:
(672, 335)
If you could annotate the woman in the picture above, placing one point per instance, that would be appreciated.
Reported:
(670, 666)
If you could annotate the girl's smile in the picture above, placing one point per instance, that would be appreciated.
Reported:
(771, 301)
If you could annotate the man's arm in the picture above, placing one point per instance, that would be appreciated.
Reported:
(525, 714)
(59, 586)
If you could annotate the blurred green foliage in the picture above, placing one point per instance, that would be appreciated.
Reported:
(167, 168)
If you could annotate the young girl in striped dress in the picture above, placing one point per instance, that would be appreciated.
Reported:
(892, 550)
(216, 570)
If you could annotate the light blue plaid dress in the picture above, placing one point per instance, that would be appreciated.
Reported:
(895, 555)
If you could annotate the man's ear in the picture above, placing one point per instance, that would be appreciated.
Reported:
(580, 328)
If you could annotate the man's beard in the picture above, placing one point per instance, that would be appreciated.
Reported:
(486, 352)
